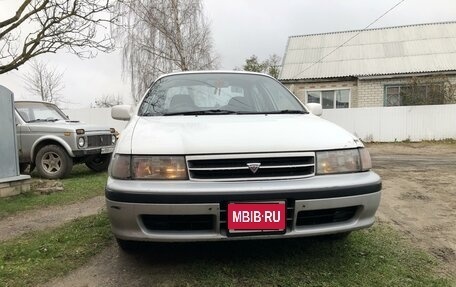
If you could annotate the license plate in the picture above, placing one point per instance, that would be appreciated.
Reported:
(107, 150)
(256, 217)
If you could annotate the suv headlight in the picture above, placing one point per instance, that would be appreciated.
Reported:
(343, 161)
(81, 142)
(148, 167)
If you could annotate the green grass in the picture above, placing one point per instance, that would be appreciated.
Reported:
(81, 185)
(375, 257)
(40, 256)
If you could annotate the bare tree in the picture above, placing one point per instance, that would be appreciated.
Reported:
(44, 81)
(428, 90)
(162, 36)
(273, 65)
(107, 101)
(73, 25)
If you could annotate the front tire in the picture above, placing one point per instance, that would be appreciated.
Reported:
(53, 162)
(99, 162)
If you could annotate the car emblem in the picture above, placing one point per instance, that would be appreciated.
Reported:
(101, 139)
(254, 166)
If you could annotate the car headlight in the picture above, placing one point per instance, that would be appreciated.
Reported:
(113, 139)
(81, 141)
(343, 161)
(159, 167)
(149, 167)
(120, 166)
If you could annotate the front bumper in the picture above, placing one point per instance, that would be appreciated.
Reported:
(93, 151)
(129, 201)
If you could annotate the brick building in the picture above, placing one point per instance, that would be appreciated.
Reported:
(375, 67)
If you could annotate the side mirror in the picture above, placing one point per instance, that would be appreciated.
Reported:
(121, 112)
(315, 108)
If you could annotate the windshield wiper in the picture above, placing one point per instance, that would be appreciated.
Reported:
(288, 112)
(43, 120)
(202, 112)
(227, 112)
(277, 112)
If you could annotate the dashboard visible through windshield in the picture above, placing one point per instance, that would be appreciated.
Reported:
(218, 93)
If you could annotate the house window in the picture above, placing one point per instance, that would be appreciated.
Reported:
(406, 95)
(330, 99)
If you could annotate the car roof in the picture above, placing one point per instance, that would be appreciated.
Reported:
(27, 101)
(214, 72)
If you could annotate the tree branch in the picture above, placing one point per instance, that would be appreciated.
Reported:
(71, 24)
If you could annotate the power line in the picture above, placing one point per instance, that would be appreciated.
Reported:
(351, 38)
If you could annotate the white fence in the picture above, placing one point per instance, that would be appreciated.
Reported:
(97, 116)
(389, 124)
(380, 124)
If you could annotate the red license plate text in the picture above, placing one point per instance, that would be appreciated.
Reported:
(257, 217)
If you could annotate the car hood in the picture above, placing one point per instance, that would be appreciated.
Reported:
(216, 134)
(61, 125)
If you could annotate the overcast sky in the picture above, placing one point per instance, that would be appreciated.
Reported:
(240, 28)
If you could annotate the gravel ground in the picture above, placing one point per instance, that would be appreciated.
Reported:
(419, 195)
(50, 217)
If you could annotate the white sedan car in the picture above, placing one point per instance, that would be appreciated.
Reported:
(234, 155)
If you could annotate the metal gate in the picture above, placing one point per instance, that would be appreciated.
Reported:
(9, 162)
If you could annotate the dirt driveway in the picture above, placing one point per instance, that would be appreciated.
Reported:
(419, 194)
(419, 199)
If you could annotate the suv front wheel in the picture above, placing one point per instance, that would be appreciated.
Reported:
(53, 162)
(98, 163)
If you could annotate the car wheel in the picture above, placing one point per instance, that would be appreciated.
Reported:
(99, 162)
(53, 162)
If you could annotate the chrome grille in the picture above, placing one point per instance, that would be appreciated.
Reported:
(251, 166)
(99, 140)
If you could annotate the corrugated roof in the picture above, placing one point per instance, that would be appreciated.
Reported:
(381, 51)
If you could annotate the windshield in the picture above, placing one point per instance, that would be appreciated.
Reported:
(35, 111)
(218, 93)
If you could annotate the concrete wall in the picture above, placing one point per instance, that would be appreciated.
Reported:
(373, 91)
(299, 89)
(364, 92)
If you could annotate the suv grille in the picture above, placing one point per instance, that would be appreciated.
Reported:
(99, 140)
(251, 166)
